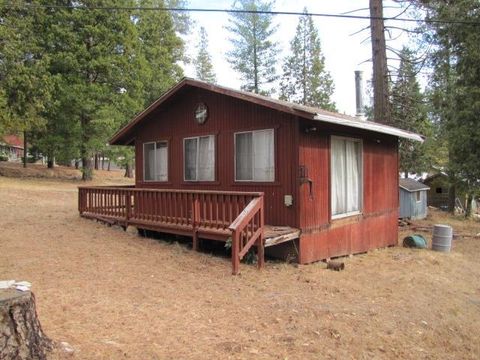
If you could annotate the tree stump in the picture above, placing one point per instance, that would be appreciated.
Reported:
(21, 336)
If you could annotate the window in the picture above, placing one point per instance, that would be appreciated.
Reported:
(417, 196)
(254, 156)
(155, 161)
(199, 158)
(346, 176)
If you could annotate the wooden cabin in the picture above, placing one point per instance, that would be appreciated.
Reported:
(12, 147)
(228, 165)
(438, 195)
(412, 199)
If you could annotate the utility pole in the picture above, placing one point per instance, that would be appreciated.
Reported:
(381, 101)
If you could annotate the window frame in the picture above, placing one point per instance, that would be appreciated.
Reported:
(361, 178)
(155, 160)
(196, 160)
(253, 157)
(418, 196)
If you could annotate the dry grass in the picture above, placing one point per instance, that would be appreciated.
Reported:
(114, 295)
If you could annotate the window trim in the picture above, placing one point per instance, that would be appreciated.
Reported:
(360, 210)
(253, 158)
(155, 160)
(196, 160)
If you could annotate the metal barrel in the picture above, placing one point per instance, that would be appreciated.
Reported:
(442, 238)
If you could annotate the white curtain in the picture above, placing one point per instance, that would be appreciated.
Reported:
(264, 167)
(206, 158)
(353, 176)
(149, 161)
(338, 176)
(243, 156)
(190, 152)
(161, 168)
(346, 176)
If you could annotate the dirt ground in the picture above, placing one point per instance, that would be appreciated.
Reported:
(114, 295)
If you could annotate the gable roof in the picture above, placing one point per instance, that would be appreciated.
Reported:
(12, 141)
(412, 185)
(123, 137)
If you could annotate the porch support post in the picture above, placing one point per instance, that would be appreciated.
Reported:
(261, 243)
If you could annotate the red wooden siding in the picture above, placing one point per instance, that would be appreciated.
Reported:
(377, 225)
(174, 121)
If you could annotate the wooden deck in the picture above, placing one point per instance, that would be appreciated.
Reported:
(216, 215)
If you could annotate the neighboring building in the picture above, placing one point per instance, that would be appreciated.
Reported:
(331, 176)
(13, 146)
(413, 199)
(439, 186)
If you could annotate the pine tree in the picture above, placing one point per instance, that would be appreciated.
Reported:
(254, 53)
(457, 90)
(24, 79)
(161, 49)
(305, 79)
(203, 61)
(409, 112)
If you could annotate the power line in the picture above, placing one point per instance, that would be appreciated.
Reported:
(234, 11)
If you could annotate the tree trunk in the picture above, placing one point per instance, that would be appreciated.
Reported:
(108, 164)
(102, 159)
(25, 152)
(128, 170)
(84, 153)
(468, 210)
(21, 335)
(96, 161)
(381, 99)
(77, 164)
(86, 169)
(452, 194)
(50, 162)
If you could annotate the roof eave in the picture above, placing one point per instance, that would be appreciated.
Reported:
(370, 126)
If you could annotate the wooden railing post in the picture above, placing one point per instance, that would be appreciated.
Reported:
(128, 207)
(235, 252)
(196, 222)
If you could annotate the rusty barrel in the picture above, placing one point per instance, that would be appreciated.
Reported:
(442, 238)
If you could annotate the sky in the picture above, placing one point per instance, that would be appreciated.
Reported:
(344, 53)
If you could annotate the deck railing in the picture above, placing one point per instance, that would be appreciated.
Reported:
(212, 214)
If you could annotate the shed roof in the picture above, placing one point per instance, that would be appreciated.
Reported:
(412, 185)
(123, 136)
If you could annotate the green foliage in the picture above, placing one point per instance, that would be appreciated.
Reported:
(24, 80)
(253, 53)
(456, 83)
(409, 112)
(305, 79)
(203, 62)
(160, 50)
(72, 77)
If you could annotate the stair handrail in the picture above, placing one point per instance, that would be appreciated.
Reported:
(239, 225)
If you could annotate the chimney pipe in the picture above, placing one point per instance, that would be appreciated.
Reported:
(359, 93)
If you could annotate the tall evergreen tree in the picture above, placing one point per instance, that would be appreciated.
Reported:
(161, 50)
(254, 52)
(457, 90)
(90, 49)
(203, 62)
(409, 112)
(305, 79)
(24, 79)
